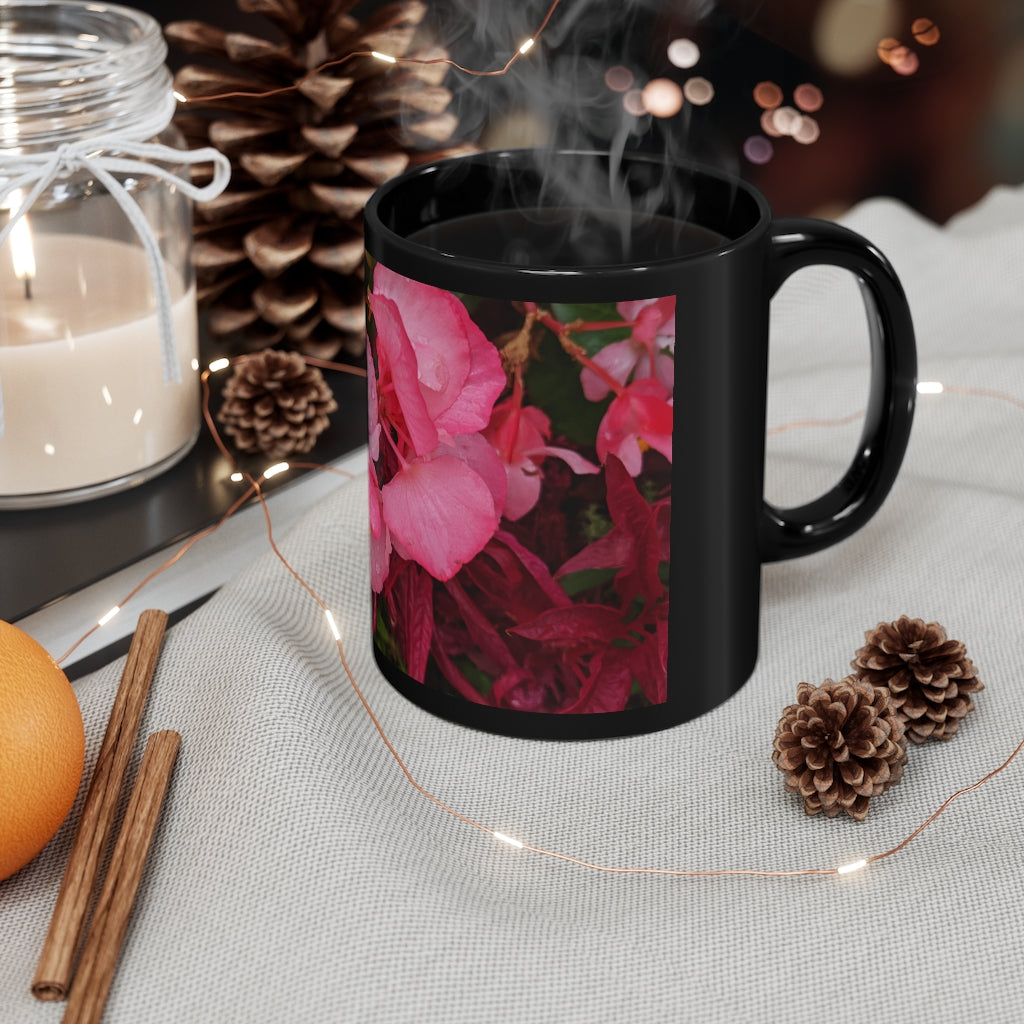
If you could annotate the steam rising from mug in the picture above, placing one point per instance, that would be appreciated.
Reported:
(557, 97)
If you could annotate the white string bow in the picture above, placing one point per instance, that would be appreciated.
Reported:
(104, 157)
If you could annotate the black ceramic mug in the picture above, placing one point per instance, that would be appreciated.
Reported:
(567, 405)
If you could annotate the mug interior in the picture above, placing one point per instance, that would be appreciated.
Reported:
(527, 184)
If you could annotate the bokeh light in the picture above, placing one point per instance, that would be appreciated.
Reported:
(786, 120)
(683, 53)
(662, 97)
(926, 32)
(698, 91)
(808, 98)
(618, 78)
(886, 48)
(767, 95)
(807, 131)
(845, 33)
(758, 150)
(904, 61)
(768, 124)
(633, 101)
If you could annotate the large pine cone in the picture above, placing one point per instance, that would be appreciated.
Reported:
(929, 677)
(279, 255)
(840, 745)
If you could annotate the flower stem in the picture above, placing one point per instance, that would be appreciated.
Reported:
(562, 332)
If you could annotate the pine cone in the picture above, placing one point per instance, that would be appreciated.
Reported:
(275, 404)
(840, 745)
(929, 678)
(279, 255)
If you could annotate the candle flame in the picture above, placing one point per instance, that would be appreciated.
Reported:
(22, 252)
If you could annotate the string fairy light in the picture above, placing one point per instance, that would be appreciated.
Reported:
(255, 491)
(386, 58)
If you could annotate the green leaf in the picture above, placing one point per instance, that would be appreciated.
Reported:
(478, 679)
(591, 312)
(384, 641)
(553, 383)
(586, 579)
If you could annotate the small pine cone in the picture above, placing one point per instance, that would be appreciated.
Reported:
(275, 404)
(930, 678)
(839, 745)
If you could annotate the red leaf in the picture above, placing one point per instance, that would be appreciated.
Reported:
(579, 625)
(411, 603)
(480, 629)
(609, 686)
(456, 679)
(535, 568)
(611, 551)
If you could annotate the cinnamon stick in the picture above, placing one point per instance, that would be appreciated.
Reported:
(57, 959)
(113, 909)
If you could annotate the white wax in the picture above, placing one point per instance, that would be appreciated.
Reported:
(80, 368)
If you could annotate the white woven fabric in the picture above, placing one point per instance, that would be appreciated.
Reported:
(297, 876)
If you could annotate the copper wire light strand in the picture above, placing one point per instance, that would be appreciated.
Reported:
(255, 489)
(474, 72)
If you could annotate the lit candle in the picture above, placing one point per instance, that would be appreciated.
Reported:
(85, 401)
(98, 329)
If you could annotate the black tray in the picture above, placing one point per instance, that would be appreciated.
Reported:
(46, 554)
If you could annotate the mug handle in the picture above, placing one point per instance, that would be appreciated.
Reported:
(799, 242)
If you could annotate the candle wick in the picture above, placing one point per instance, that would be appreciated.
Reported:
(28, 286)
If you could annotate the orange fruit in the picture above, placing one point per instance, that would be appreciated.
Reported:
(42, 748)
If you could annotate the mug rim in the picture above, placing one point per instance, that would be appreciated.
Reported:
(492, 277)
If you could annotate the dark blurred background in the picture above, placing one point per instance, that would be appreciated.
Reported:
(922, 100)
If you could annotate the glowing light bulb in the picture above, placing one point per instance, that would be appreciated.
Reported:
(106, 618)
(236, 478)
(334, 626)
(179, 97)
(278, 467)
(386, 57)
(846, 869)
(527, 46)
(511, 840)
(219, 364)
(930, 387)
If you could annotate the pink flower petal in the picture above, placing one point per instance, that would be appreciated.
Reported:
(618, 359)
(399, 370)
(440, 513)
(458, 370)
(523, 490)
(380, 538)
(477, 453)
(576, 462)
(640, 416)
(373, 416)
(665, 371)
(655, 319)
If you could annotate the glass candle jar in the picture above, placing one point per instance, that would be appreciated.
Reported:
(98, 327)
